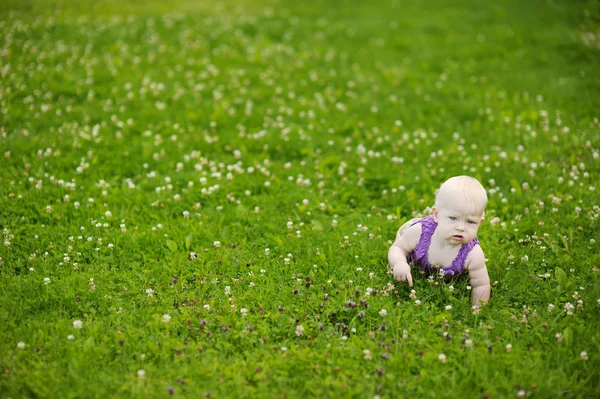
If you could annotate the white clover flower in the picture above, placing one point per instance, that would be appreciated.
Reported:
(569, 308)
(78, 324)
(583, 355)
(110, 246)
(186, 214)
(413, 295)
(368, 355)
(244, 312)
(166, 318)
(217, 244)
(508, 347)
(451, 288)
(108, 214)
(206, 307)
(228, 290)
(559, 337)
(383, 312)
(299, 330)
(448, 307)
(21, 345)
(141, 374)
(442, 358)
(417, 302)
(267, 251)
(47, 280)
(70, 337)
(150, 292)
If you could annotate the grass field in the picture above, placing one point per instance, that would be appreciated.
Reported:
(197, 198)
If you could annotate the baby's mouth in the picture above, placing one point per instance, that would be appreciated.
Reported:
(457, 237)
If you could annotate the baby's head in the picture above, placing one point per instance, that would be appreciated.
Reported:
(465, 190)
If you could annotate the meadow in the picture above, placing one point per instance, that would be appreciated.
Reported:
(197, 198)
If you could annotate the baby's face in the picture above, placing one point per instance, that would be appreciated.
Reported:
(457, 222)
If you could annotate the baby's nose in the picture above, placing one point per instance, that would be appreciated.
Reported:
(460, 226)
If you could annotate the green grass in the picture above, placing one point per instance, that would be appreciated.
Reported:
(341, 118)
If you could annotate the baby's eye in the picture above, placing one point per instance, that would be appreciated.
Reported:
(452, 218)
(470, 222)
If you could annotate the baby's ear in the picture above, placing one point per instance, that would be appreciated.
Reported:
(435, 213)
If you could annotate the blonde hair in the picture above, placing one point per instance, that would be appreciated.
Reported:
(465, 188)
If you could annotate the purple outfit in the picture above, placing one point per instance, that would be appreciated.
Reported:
(419, 255)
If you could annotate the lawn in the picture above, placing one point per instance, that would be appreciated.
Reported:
(197, 198)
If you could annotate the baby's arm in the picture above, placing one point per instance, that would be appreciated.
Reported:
(399, 251)
(480, 281)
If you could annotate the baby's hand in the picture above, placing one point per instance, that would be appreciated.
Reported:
(401, 272)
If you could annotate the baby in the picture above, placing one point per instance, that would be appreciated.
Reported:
(446, 241)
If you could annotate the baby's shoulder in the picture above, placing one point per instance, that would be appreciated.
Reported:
(410, 237)
(475, 258)
(413, 232)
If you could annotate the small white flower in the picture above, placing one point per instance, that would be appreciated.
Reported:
(150, 292)
(47, 280)
(77, 324)
(207, 307)
(569, 308)
(267, 251)
(442, 358)
(217, 244)
(108, 214)
(186, 214)
(284, 348)
(448, 307)
(70, 337)
(451, 288)
(550, 307)
(166, 318)
(508, 347)
(21, 345)
(110, 246)
(299, 330)
(244, 312)
(468, 343)
(141, 374)
(583, 355)
(417, 302)
(559, 337)
(368, 355)
(383, 312)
